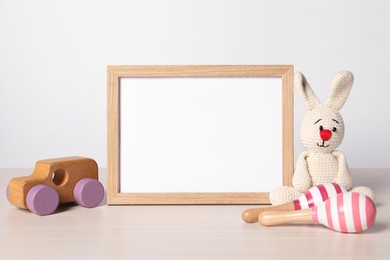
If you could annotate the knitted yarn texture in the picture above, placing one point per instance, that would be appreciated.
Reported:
(322, 131)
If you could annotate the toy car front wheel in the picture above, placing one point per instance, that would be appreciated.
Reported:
(42, 200)
(88, 192)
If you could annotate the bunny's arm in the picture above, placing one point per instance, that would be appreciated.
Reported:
(343, 176)
(301, 179)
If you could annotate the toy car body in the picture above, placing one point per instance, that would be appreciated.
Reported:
(57, 181)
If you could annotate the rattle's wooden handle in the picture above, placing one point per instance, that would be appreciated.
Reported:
(273, 218)
(251, 215)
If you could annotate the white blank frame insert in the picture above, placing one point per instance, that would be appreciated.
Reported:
(198, 134)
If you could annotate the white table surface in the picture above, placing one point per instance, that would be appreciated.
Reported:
(183, 232)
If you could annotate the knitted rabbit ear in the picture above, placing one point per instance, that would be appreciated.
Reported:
(339, 90)
(305, 92)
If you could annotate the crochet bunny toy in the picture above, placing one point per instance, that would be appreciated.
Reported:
(322, 130)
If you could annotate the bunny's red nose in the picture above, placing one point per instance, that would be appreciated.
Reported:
(325, 134)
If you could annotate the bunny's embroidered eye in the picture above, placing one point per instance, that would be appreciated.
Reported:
(321, 128)
(334, 129)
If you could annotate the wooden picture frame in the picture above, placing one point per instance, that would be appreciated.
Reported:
(121, 80)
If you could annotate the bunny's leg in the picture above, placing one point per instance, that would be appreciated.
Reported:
(283, 194)
(365, 190)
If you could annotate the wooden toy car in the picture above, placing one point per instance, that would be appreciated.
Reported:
(55, 181)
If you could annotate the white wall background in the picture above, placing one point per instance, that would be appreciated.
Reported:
(53, 58)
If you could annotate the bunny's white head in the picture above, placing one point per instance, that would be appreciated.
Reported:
(322, 127)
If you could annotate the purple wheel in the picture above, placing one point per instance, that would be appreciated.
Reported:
(42, 200)
(88, 192)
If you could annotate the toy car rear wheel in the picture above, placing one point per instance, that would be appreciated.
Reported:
(88, 192)
(42, 199)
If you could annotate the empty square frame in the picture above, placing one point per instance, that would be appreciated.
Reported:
(199, 134)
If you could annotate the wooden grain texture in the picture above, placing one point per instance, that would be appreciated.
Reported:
(252, 214)
(273, 218)
(112, 135)
(62, 174)
(190, 198)
(201, 71)
(115, 73)
(201, 232)
(288, 126)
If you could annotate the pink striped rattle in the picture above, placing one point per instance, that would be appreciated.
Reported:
(309, 199)
(348, 212)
